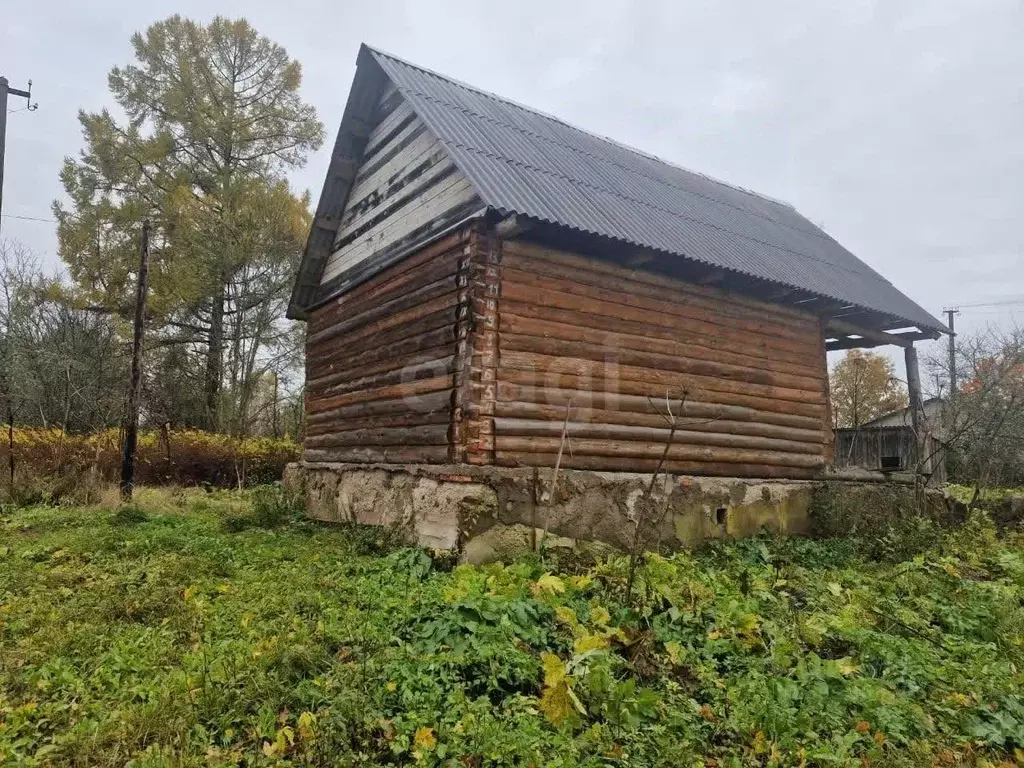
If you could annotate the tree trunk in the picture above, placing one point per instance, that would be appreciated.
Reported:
(10, 445)
(215, 358)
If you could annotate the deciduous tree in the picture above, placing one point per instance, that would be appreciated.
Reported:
(863, 387)
(209, 121)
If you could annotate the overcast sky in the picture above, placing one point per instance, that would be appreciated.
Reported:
(896, 126)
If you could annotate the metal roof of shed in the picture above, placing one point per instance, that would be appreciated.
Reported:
(525, 162)
(521, 161)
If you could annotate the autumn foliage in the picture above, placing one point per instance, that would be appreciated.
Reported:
(175, 458)
(863, 387)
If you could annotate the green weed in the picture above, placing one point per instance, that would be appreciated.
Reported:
(163, 639)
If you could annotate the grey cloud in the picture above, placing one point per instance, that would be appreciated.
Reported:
(899, 127)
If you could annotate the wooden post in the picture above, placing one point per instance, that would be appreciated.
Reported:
(4, 88)
(917, 417)
(131, 430)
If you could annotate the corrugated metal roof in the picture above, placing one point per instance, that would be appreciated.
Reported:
(525, 162)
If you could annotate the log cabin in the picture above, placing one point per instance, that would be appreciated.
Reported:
(485, 284)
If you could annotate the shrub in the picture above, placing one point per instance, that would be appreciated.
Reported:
(273, 506)
(60, 466)
(270, 507)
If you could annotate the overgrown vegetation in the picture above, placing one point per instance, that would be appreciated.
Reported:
(54, 467)
(159, 637)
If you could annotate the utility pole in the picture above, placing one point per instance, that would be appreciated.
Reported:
(132, 428)
(952, 312)
(6, 89)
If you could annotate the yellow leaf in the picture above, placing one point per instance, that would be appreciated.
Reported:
(749, 622)
(554, 669)
(556, 703)
(390, 686)
(424, 738)
(675, 652)
(190, 592)
(550, 583)
(307, 725)
(759, 743)
(600, 616)
(587, 642)
(285, 737)
(835, 588)
(582, 582)
(566, 615)
(847, 666)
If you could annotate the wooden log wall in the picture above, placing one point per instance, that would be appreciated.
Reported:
(381, 362)
(614, 346)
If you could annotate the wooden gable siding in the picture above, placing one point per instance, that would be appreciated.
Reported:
(381, 361)
(610, 343)
(406, 186)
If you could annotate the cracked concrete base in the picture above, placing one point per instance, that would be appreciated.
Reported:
(492, 513)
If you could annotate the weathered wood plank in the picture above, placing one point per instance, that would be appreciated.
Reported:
(512, 427)
(708, 332)
(576, 267)
(674, 302)
(426, 404)
(341, 354)
(643, 358)
(424, 357)
(388, 288)
(409, 183)
(543, 366)
(406, 268)
(408, 390)
(446, 301)
(682, 320)
(404, 419)
(450, 193)
(430, 454)
(654, 450)
(539, 383)
(698, 417)
(421, 296)
(382, 133)
(429, 434)
(404, 372)
(598, 331)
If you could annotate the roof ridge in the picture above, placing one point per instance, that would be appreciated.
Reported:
(567, 124)
(579, 182)
(811, 232)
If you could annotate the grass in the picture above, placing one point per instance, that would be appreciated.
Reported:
(216, 629)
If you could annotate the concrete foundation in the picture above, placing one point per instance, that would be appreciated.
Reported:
(491, 513)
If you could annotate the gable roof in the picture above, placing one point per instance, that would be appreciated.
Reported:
(901, 416)
(525, 162)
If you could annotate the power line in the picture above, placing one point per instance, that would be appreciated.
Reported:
(1001, 303)
(27, 218)
(5, 89)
